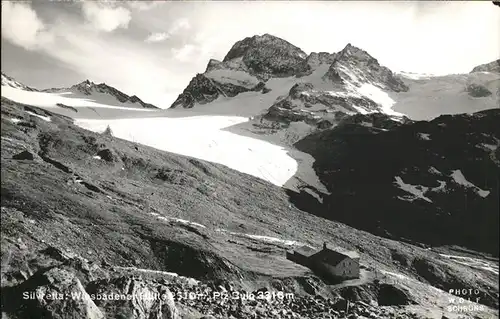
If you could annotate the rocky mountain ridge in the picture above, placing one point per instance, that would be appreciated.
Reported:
(87, 88)
(84, 89)
(253, 61)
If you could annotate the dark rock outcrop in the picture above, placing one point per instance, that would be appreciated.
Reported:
(388, 295)
(25, 155)
(476, 90)
(316, 58)
(424, 181)
(202, 89)
(64, 106)
(108, 155)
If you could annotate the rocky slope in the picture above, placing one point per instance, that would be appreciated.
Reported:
(484, 81)
(86, 215)
(493, 66)
(432, 182)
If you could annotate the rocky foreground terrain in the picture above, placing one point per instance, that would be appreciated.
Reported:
(88, 218)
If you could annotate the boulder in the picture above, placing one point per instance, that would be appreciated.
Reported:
(25, 155)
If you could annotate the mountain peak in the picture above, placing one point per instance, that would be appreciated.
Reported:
(351, 51)
(86, 84)
(260, 42)
(268, 56)
(356, 66)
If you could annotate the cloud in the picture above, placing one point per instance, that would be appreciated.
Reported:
(119, 62)
(179, 24)
(144, 5)
(185, 53)
(22, 26)
(175, 28)
(106, 17)
(157, 37)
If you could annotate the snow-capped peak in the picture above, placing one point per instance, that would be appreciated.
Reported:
(353, 52)
(85, 86)
(354, 66)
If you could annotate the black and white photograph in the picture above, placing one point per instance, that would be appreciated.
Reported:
(250, 159)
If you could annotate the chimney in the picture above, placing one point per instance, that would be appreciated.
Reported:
(324, 245)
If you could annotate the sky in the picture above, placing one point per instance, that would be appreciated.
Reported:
(153, 49)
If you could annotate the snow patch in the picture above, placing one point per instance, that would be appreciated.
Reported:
(377, 95)
(96, 157)
(239, 78)
(460, 179)
(165, 273)
(395, 275)
(273, 240)
(187, 222)
(434, 171)
(268, 239)
(348, 72)
(474, 263)
(490, 147)
(177, 220)
(45, 118)
(15, 120)
(415, 76)
(440, 188)
(360, 110)
(424, 136)
(417, 191)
